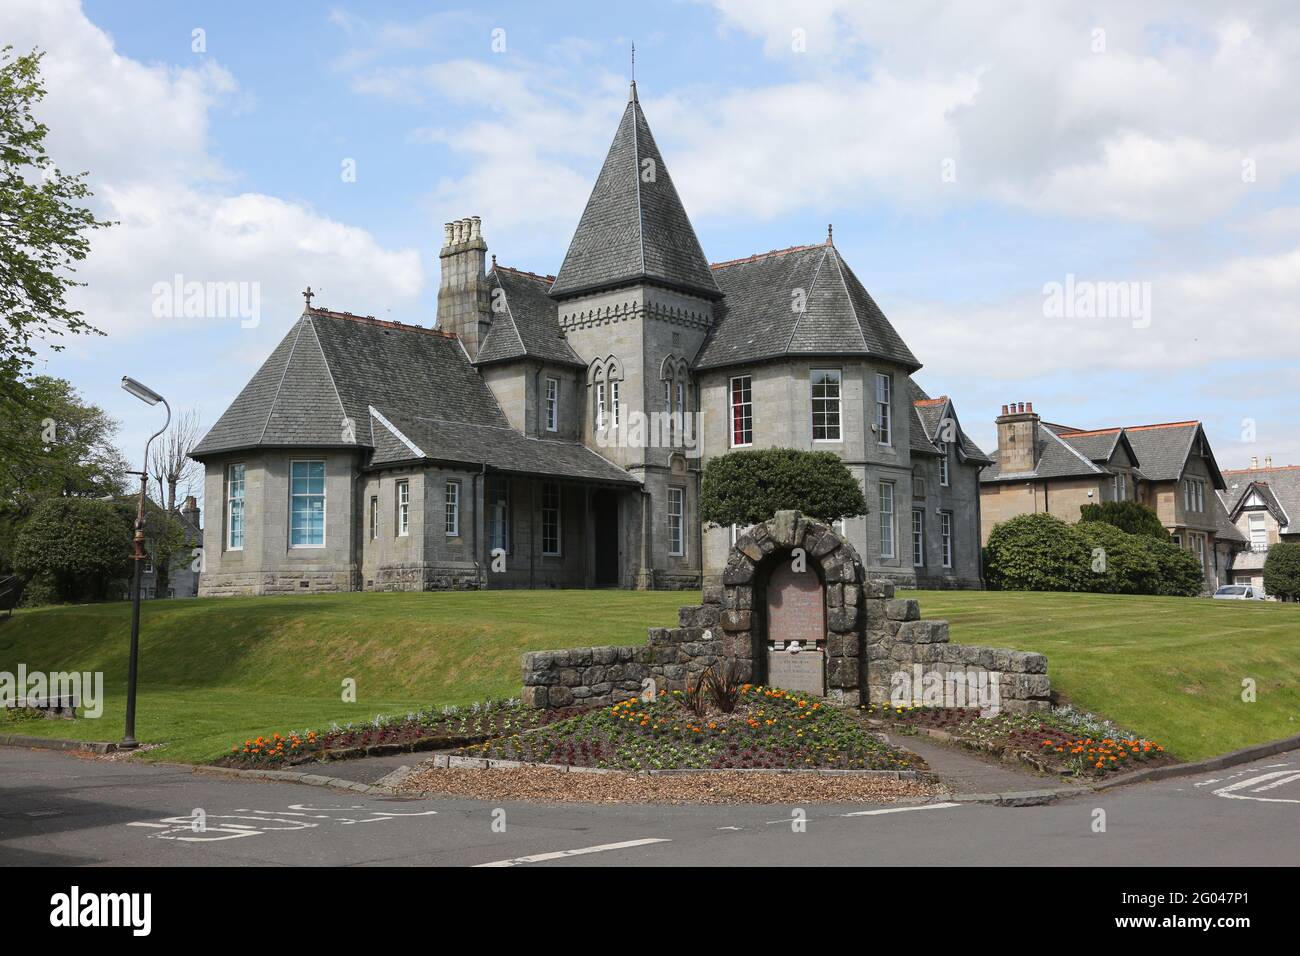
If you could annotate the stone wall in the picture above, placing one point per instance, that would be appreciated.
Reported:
(877, 647)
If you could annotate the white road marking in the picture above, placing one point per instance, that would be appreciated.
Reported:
(1277, 783)
(1256, 783)
(560, 854)
(156, 826)
(924, 806)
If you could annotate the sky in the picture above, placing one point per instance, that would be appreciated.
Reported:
(977, 161)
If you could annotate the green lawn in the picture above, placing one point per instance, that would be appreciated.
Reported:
(215, 671)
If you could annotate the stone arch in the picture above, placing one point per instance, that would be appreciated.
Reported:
(787, 539)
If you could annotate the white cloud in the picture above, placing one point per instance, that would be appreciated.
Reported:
(143, 133)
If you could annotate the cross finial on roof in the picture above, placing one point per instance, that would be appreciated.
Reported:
(308, 296)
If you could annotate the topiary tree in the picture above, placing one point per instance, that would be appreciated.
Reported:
(1127, 516)
(80, 546)
(1037, 552)
(1178, 571)
(1120, 563)
(1282, 571)
(746, 487)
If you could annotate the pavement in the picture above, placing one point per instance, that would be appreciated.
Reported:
(62, 810)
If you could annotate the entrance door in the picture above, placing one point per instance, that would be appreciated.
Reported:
(604, 513)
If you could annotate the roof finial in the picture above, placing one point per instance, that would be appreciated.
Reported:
(830, 234)
(308, 296)
(631, 96)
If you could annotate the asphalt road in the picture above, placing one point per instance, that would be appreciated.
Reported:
(59, 810)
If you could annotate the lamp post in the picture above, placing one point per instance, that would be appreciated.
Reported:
(149, 397)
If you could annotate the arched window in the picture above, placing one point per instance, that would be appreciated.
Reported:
(604, 378)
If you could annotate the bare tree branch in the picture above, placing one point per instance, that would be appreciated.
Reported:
(170, 463)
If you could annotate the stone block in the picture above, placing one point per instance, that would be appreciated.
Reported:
(902, 609)
(841, 619)
(604, 655)
(713, 594)
(560, 696)
(1025, 662)
(535, 697)
(738, 572)
(736, 620)
(878, 589)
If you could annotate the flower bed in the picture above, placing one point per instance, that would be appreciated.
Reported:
(1063, 741)
(441, 729)
(766, 728)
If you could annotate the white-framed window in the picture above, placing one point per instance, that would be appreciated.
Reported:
(943, 465)
(885, 409)
(403, 508)
(550, 519)
(887, 549)
(918, 537)
(1121, 486)
(1176, 539)
(1194, 495)
(742, 411)
(498, 514)
(1198, 547)
(1258, 533)
(826, 404)
(600, 406)
(676, 522)
(235, 508)
(148, 563)
(918, 484)
(614, 403)
(307, 508)
(552, 404)
(945, 537)
(374, 517)
(451, 509)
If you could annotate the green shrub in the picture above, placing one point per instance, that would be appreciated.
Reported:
(1178, 572)
(1128, 516)
(1037, 552)
(1120, 563)
(1282, 571)
(746, 487)
(80, 546)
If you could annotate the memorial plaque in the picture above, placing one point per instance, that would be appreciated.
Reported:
(805, 671)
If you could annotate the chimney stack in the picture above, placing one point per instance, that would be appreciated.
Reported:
(463, 295)
(1268, 461)
(1254, 463)
(1017, 438)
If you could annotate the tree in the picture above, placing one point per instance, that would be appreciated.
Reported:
(1127, 516)
(1282, 571)
(1037, 552)
(44, 228)
(53, 444)
(746, 487)
(1178, 571)
(79, 546)
(172, 467)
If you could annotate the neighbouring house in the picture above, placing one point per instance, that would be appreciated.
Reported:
(184, 573)
(551, 430)
(1041, 466)
(1260, 503)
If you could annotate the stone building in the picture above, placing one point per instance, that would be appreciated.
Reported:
(1042, 466)
(1260, 502)
(550, 431)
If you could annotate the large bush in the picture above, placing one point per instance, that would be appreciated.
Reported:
(80, 547)
(746, 487)
(1040, 552)
(1037, 552)
(1127, 516)
(1120, 563)
(1178, 572)
(1282, 571)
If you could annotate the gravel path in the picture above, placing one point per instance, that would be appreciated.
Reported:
(537, 783)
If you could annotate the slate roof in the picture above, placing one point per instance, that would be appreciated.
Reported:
(928, 415)
(634, 227)
(1056, 458)
(411, 394)
(1279, 487)
(1162, 450)
(525, 322)
(757, 320)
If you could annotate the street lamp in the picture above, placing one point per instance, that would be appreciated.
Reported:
(149, 397)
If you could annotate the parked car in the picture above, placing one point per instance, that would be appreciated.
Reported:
(1239, 592)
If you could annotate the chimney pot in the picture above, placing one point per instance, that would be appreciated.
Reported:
(446, 233)
(1005, 411)
(1268, 461)
(1254, 462)
(1030, 406)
